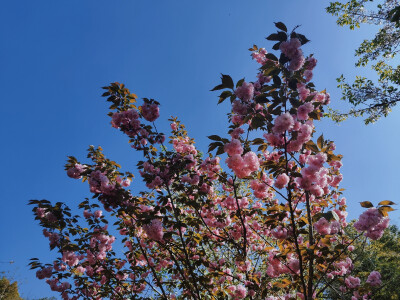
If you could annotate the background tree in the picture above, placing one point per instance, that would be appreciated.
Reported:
(9, 291)
(382, 255)
(371, 99)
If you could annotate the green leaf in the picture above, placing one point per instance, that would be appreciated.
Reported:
(279, 36)
(224, 95)
(257, 122)
(303, 40)
(320, 141)
(293, 84)
(366, 204)
(311, 146)
(262, 98)
(240, 82)
(220, 150)
(277, 80)
(215, 137)
(386, 202)
(385, 209)
(258, 141)
(281, 26)
(283, 59)
(276, 46)
(271, 56)
(218, 87)
(227, 81)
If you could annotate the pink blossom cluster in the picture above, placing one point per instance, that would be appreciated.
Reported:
(258, 85)
(234, 147)
(54, 237)
(292, 50)
(280, 233)
(70, 258)
(76, 171)
(44, 273)
(99, 183)
(259, 56)
(154, 230)
(235, 134)
(304, 133)
(352, 282)
(342, 268)
(304, 110)
(303, 91)
(323, 226)
(57, 286)
(103, 243)
(311, 62)
(213, 217)
(245, 92)
(283, 123)
(261, 189)
(277, 268)
(281, 181)
(150, 111)
(45, 215)
(128, 121)
(244, 165)
(315, 178)
(373, 223)
(183, 145)
(374, 278)
(124, 182)
(238, 291)
(211, 167)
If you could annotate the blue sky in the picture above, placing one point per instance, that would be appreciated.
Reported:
(55, 56)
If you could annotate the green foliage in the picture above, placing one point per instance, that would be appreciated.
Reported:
(376, 99)
(382, 255)
(9, 291)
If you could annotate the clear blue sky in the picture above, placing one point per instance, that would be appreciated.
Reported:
(55, 56)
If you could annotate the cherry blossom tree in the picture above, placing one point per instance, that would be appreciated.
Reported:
(260, 216)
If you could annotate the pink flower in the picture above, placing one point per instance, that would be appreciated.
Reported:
(259, 56)
(245, 92)
(311, 63)
(87, 214)
(241, 292)
(234, 147)
(352, 282)
(374, 278)
(150, 111)
(308, 75)
(304, 110)
(154, 230)
(126, 182)
(98, 213)
(292, 50)
(273, 139)
(235, 134)
(281, 181)
(243, 166)
(322, 226)
(44, 273)
(282, 123)
(76, 171)
(372, 222)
